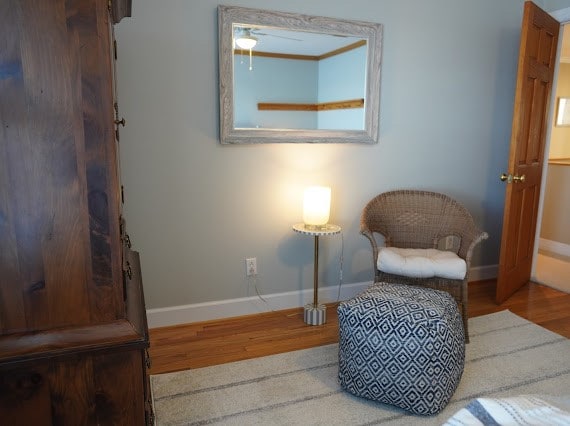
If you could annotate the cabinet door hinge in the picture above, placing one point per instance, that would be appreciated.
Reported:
(115, 49)
(129, 271)
(127, 276)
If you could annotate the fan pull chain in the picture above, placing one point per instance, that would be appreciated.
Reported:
(250, 61)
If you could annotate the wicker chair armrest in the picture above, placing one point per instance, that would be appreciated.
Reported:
(468, 242)
(370, 235)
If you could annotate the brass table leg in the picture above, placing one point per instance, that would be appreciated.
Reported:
(315, 314)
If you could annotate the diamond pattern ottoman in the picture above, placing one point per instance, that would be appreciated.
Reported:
(401, 345)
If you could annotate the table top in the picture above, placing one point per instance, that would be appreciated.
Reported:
(329, 229)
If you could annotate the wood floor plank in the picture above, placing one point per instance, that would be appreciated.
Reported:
(233, 339)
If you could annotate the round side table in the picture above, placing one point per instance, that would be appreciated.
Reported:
(315, 313)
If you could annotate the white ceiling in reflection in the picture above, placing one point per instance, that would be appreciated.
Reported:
(278, 40)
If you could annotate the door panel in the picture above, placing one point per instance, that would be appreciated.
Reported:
(537, 56)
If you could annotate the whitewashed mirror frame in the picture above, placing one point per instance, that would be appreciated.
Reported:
(371, 32)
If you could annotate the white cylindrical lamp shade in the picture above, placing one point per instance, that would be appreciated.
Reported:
(316, 205)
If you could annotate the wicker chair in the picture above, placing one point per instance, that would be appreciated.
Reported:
(421, 219)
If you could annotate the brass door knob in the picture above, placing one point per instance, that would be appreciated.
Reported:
(510, 178)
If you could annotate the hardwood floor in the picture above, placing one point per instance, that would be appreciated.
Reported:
(216, 342)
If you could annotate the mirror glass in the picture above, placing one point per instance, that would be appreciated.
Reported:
(296, 78)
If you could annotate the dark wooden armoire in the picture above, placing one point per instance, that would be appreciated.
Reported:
(73, 332)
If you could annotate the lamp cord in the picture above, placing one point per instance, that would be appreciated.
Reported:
(254, 279)
(341, 264)
(340, 277)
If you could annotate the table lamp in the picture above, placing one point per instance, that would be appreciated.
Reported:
(316, 210)
(316, 207)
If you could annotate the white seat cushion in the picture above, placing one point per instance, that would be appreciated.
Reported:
(421, 263)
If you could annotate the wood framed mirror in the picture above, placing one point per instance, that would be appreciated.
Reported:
(292, 78)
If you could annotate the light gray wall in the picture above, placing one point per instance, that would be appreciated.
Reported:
(195, 209)
(560, 135)
(553, 5)
(556, 205)
(555, 224)
(342, 77)
(274, 80)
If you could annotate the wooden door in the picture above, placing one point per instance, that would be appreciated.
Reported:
(537, 57)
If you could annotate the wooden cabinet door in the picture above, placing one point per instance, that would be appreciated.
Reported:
(88, 389)
(60, 256)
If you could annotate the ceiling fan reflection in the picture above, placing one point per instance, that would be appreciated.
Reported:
(258, 33)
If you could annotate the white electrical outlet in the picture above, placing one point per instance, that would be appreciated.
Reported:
(251, 266)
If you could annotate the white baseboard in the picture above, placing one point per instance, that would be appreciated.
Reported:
(554, 247)
(481, 273)
(163, 317)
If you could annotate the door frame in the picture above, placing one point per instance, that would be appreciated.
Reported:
(562, 16)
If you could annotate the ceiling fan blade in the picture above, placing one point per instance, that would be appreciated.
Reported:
(274, 35)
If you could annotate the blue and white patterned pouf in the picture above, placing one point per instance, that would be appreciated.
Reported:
(401, 345)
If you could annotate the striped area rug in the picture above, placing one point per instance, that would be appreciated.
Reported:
(507, 356)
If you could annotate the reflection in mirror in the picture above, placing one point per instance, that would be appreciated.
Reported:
(296, 78)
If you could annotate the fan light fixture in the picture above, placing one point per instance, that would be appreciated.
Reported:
(246, 40)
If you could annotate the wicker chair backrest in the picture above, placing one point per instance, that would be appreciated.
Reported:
(416, 219)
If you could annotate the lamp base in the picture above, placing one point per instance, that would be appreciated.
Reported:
(315, 314)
